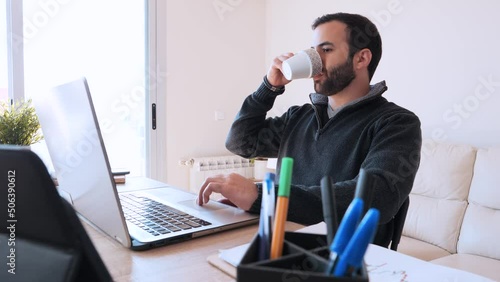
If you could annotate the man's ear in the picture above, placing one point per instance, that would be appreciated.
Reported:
(362, 58)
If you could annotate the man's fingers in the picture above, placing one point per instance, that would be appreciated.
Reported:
(227, 202)
(279, 60)
(236, 188)
(215, 178)
(284, 57)
(208, 180)
(211, 187)
(275, 75)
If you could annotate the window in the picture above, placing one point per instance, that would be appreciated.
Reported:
(105, 41)
(4, 77)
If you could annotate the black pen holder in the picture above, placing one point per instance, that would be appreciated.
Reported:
(305, 258)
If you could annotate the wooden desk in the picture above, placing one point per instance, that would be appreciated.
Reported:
(186, 261)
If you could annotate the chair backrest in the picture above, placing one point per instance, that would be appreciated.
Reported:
(399, 222)
(42, 236)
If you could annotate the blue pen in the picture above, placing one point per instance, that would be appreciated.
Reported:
(352, 257)
(344, 232)
(262, 235)
(271, 198)
(266, 216)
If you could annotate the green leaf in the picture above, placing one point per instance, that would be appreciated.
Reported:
(19, 124)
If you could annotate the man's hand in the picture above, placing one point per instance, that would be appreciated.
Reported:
(236, 188)
(274, 74)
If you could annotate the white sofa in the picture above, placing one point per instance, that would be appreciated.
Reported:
(454, 213)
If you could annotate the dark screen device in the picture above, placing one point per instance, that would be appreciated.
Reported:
(41, 237)
(119, 171)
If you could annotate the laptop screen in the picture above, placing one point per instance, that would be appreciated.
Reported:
(71, 131)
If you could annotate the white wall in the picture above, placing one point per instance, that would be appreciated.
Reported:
(436, 57)
(215, 58)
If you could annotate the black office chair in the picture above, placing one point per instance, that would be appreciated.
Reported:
(40, 233)
(399, 222)
(388, 234)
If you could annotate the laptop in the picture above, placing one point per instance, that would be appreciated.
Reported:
(141, 214)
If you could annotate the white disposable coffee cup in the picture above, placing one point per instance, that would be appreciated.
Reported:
(304, 64)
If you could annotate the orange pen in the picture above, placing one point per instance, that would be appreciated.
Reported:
(281, 208)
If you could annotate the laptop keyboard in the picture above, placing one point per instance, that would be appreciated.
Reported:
(157, 218)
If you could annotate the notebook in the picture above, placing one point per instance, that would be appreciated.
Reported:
(149, 215)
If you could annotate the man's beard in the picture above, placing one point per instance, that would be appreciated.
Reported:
(336, 79)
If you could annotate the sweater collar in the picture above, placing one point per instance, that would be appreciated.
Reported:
(375, 90)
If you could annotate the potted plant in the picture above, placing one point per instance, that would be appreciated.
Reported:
(19, 124)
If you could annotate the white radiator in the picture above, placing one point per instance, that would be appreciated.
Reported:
(201, 168)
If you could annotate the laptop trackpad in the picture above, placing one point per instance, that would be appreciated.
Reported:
(210, 207)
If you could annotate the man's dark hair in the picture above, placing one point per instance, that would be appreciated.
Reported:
(361, 34)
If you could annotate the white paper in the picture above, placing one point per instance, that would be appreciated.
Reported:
(234, 255)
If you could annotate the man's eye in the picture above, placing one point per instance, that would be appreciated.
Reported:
(326, 50)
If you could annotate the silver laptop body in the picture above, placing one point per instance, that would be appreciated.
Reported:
(71, 131)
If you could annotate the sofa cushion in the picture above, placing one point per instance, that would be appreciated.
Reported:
(420, 249)
(476, 264)
(439, 196)
(481, 225)
(436, 221)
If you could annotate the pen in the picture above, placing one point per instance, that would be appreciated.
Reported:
(262, 233)
(271, 196)
(352, 257)
(344, 233)
(329, 208)
(281, 207)
(266, 216)
(364, 189)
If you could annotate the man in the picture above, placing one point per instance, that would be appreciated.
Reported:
(347, 126)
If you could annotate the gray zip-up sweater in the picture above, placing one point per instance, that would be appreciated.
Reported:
(374, 134)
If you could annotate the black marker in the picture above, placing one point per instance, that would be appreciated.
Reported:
(364, 189)
(329, 208)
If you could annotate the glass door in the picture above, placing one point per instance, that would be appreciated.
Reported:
(104, 41)
(4, 76)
